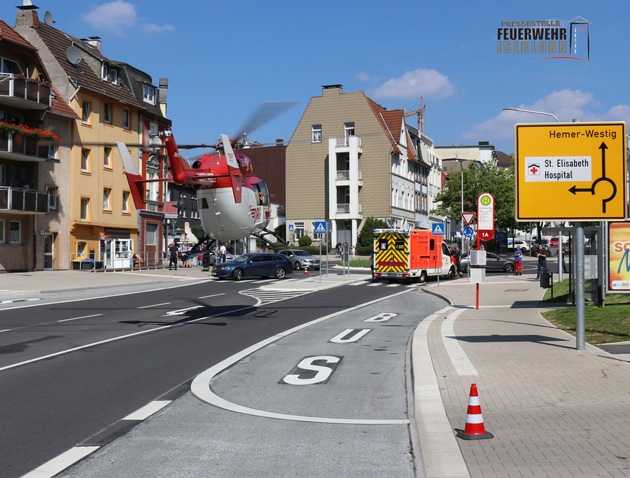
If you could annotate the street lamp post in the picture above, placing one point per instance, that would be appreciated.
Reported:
(521, 110)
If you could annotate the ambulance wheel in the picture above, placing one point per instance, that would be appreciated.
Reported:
(423, 276)
(451, 273)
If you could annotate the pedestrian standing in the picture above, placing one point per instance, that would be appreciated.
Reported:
(458, 260)
(542, 260)
(518, 261)
(372, 265)
(173, 253)
(222, 253)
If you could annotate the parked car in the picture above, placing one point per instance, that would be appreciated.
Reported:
(301, 259)
(494, 262)
(254, 265)
(512, 243)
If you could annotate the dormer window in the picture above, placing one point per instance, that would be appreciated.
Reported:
(109, 74)
(113, 76)
(148, 94)
(9, 67)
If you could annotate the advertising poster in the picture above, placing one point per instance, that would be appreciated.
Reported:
(619, 257)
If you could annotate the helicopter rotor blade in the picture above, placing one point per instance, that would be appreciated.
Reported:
(263, 114)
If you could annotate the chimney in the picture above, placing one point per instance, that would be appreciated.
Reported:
(332, 88)
(95, 42)
(27, 16)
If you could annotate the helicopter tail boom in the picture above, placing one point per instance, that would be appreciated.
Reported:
(136, 182)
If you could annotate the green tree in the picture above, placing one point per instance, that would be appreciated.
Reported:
(479, 178)
(366, 236)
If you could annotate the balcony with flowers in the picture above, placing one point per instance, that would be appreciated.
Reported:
(20, 142)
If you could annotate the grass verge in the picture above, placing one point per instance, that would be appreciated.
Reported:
(603, 325)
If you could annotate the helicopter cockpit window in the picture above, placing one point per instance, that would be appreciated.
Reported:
(262, 193)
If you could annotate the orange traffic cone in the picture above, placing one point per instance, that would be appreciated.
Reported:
(474, 429)
(305, 270)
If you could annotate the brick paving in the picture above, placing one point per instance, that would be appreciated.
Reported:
(554, 411)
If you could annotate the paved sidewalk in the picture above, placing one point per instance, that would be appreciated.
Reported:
(554, 411)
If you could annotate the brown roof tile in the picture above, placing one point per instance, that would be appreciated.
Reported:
(9, 34)
(58, 43)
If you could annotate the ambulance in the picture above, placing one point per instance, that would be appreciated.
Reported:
(411, 254)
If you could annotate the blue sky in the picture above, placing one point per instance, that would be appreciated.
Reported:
(223, 58)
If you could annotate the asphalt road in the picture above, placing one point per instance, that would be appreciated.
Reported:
(70, 371)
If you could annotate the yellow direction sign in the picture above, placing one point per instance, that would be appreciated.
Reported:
(571, 171)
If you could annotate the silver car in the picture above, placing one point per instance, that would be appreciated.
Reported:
(301, 259)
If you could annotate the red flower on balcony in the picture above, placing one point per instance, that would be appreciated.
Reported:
(28, 131)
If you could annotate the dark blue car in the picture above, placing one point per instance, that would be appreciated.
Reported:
(254, 265)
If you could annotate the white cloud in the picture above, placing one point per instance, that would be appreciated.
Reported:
(155, 28)
(365, 77)
(566, 105)
(120, 17)
(117, 16)
(412, 84)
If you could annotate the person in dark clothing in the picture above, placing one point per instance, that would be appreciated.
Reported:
(458, 258)
(542, 260)
(173, 253)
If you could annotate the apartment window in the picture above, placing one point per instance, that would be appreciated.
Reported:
(81, 247)
(316, 133)
(126, 119)
(148, 94)
(2, 239)
(125, 201)
(9, 67)
(107, 194)
(52, 197)
(107, 112)
(107, 157)
(112, 76)
(348, 130)
(53, 151)
(3, 175)
(299, 230)
(85, 160)
(85, 209)
(15, 232)
(86, 113)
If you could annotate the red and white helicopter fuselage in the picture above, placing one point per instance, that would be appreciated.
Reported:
(232, 202)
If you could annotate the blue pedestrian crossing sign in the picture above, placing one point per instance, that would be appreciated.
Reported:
(437, 228)
(320, 227)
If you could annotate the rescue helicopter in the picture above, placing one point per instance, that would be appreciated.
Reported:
(232, 202)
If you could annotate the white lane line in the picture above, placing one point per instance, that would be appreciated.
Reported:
(79, 318)
(148, 410)
(200, 386)
(459, 359)
(5, 330)
(61, 462)
(213, 295)
(153, 305)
